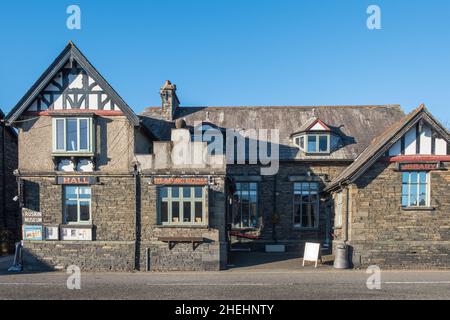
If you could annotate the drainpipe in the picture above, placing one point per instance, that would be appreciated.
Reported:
(342, 260)
(137, 220)
(347, 211)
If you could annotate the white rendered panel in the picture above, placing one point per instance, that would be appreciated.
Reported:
(425, 141)
(410, 142)
(441, 147)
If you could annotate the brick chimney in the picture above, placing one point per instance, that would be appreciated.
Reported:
(169, 100)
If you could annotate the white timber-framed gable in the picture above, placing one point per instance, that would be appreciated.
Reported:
(72, 89)
(72, 84)
(422, 139)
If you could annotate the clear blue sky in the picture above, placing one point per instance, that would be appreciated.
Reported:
(252, 52)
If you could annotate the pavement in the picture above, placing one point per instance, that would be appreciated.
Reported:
(261, 281)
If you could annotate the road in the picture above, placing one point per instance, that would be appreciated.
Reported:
(308, 283)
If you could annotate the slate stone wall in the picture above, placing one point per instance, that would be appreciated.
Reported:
(87, 255)
(113, 223)
(208, 256)
(276, 193)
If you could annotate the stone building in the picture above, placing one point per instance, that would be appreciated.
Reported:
(9, 209)
(395, 197)
(176, 188)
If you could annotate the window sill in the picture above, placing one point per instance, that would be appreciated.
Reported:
(338, 228)
(77, 226)
(181, 226)
(418, 208)
(72, 154)
(317, 153)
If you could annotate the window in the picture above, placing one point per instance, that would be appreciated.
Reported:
(182, 205)
(415, 189)
(302, 143)
(77, 204)
(245, 205)
(339, 209)
(314, 143)
(306, 205)
(318, 144)
(72, 135)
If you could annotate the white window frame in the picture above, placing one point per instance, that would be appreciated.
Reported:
(90, 135)
(317, 143)
(181, 199)
(306, 142)
(417, 184)
(78, 200)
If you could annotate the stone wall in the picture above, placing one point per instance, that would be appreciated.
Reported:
(282, 202)
(88, 255)
(210, 255)
(113, 223)
(112, 210)
(382, 232)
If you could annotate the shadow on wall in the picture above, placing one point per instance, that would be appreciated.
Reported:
(31, 264)
(102, 135)
(372, 174)
(31, 195)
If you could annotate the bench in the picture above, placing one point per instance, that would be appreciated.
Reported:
(172, 241)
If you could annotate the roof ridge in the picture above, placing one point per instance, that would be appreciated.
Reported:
(394, 106)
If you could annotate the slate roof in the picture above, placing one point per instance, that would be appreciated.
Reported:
(356, 125)
(382, 143)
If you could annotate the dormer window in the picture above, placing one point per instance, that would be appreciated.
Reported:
(314, 137)
(313, 143)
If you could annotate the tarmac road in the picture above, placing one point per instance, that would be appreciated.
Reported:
(308, 283)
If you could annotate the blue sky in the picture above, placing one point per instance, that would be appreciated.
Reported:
(253, 52)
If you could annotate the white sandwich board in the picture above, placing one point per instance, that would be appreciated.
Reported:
(312, 251)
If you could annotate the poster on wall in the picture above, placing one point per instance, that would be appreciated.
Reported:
(32, 233)
(76, 234)
(51, 232)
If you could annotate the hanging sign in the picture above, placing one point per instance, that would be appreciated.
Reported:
(88, 180)
(311, 253)
(181, 181)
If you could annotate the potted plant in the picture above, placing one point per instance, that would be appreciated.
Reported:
(275, 247)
